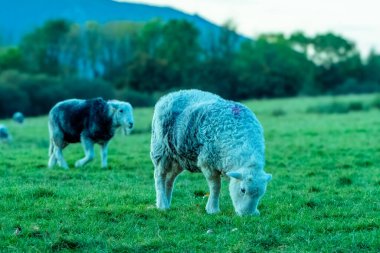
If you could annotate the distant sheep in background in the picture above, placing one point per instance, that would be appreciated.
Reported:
(201, 132)
(86, 121)
(18, 117)
(4, 133)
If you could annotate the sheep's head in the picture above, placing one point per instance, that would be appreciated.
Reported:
(4, 134)
(122, 115)
(246, 190)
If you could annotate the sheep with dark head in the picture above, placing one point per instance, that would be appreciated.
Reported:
(86, 121)
(201, 132)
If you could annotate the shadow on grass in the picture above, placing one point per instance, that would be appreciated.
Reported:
(66, 244)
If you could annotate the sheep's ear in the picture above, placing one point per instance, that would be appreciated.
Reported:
(268, 177)
(235, 175)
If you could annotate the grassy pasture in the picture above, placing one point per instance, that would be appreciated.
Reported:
(324, 196)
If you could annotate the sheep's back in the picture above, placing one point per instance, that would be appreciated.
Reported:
(75, 116)
(195, 125)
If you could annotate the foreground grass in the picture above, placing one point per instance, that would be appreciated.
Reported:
(324, 196)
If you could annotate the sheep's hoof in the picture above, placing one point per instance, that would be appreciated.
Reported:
(162, 206)
(212, 210)
(78, 164)
(64, 166)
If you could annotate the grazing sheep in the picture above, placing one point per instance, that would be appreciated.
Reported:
(4, 134)
(18, 117)
(86, 121)
(201, 132)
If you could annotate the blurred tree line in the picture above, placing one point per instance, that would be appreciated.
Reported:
(140, 61)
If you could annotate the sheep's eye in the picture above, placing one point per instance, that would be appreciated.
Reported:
(121, 110)
(242, 190)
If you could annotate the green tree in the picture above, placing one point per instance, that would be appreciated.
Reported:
(217, 70)
(72, 52)
(148, 74)
(11, 58)
(300, 42)
(43, 49)
(330, 48)
(226, 43)
(119, 43)
(271, 68)
(180, 50)
(93, 47)
(146, 61)
(337, 60)
(372, 67)
(150, 38)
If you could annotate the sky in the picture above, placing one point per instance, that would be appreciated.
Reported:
(357, 20)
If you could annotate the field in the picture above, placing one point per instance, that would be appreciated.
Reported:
(324, 196)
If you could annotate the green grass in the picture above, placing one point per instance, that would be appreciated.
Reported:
(324, 196)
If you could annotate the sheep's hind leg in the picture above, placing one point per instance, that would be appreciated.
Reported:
(59, 156)
(160, 176)
(57, 144)
(88, 147)
(52, 159)
(170, 179)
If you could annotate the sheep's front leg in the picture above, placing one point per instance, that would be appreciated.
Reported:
(104, 154)
(160, 177)
(213, 180)
(88, 147)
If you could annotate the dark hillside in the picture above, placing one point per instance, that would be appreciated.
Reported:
(18, 17)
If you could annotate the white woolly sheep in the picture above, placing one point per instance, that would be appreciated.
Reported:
(201, 132)
(86, 121)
